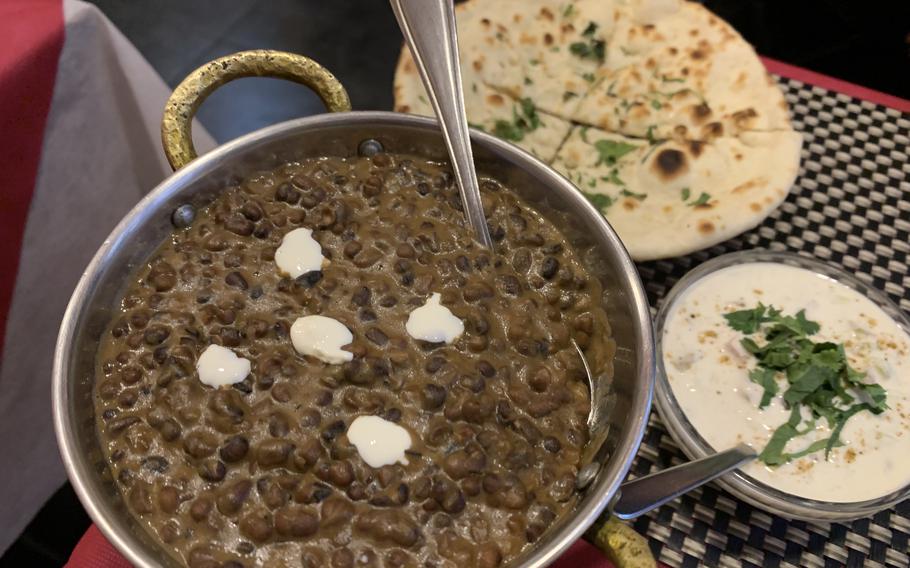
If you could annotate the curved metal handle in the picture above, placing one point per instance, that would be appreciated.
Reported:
(176, 125)
(641, 495)
(621, 544)
(428, 27)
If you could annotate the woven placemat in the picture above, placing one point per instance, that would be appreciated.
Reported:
(850, 207)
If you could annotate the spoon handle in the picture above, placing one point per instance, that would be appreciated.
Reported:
(428, 27)
(641, 495)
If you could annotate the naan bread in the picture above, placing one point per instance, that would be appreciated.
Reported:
(687, 75)
(669, 103)
(492, 111)
(543, 50)
(670, 198)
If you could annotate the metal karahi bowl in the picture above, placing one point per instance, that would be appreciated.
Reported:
(623, 401)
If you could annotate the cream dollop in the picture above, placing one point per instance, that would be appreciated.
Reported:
(299, 253)
(378, 441)
(434, 323)
(219, 366)
(322, 337)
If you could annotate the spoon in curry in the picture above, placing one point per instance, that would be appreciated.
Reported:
(643, 494)
(428, 27)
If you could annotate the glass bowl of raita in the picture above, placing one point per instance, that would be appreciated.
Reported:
(802, 361)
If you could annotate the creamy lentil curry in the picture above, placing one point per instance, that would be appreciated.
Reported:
(262, 472)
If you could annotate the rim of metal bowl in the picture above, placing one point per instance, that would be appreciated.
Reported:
(612, 473)
(695, 446)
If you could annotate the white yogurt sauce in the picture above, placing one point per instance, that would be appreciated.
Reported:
(708, 372)
(219, 366)
(299, 253)
(434, 323)
(322, 337)
(378, 441)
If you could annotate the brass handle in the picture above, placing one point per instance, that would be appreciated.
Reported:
(176, 125)
(624, 547)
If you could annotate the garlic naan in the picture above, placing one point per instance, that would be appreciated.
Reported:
(658, 110)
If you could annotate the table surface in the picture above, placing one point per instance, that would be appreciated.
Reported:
(851, 207)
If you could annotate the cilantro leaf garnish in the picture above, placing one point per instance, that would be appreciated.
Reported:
(765, 378)
(613, 178)
(524, 120)
(819, 380)
(592, 49)
(627, 193)
(610, 91)
(746, 321)
(599, 200)
(685, 194)
(703, 199)
(650, 135)
(609, 151)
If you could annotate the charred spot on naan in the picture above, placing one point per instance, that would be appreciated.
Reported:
(705, 227)
(712, 130)
(629, 204)
(696, 147)
(741, 80)
(669, 163)
(745, 118)
(496, 100)
(546, 14)
(755, 207)
(700, 113)
(744, 187)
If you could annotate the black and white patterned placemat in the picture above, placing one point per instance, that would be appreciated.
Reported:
(850, 207)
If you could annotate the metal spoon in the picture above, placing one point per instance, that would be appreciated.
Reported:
(637, 497)
(428, 27)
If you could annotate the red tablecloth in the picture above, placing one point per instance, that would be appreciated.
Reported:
(93, 551)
